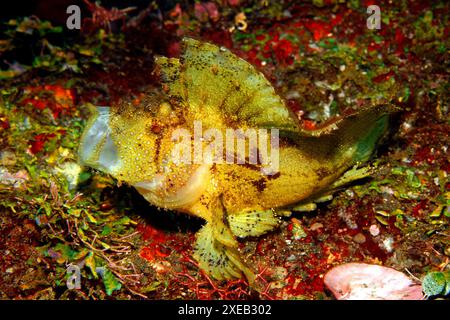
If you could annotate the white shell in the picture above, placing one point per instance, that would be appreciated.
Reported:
(361, 281)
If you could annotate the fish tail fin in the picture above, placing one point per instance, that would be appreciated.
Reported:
(367, 144)
(362, 132)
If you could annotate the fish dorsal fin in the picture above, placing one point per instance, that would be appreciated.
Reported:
(208, 79)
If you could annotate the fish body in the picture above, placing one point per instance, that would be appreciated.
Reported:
(217, 142)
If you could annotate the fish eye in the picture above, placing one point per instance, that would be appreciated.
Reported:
(164, 109)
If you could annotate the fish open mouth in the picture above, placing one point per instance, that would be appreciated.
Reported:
(157, 190)
(97, 148)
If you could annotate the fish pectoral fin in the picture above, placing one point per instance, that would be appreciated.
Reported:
(221, 230)
(218, 260)
(252, 223)
(216, 248)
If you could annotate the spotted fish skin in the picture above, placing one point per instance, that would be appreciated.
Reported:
(134, 142)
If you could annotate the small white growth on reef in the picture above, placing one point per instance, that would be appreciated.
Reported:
(407, 126)
(293, 95)
(71, 171)
(436, 181)
(387, 190)
(347, 218)
(15, 179)
(374, 230)
(388, 243)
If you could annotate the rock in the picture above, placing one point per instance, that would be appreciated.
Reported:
(361, 281)
(316, 226)
(359, 238)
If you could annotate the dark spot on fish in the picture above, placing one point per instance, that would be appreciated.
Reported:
(251, 166)
(260, 184)
(322, 173)
(155, 128)
(274, 176)
(157, 147)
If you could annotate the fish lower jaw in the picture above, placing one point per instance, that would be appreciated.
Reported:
(156, 191)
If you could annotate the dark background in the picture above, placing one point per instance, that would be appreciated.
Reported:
(55, 10)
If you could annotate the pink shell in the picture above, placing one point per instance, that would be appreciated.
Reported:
(361, 281)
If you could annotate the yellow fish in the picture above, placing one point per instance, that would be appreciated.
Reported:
(217, 142)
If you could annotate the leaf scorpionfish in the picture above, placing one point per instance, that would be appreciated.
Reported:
(210, 86)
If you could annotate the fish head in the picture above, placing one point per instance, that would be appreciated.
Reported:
(125, 140)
